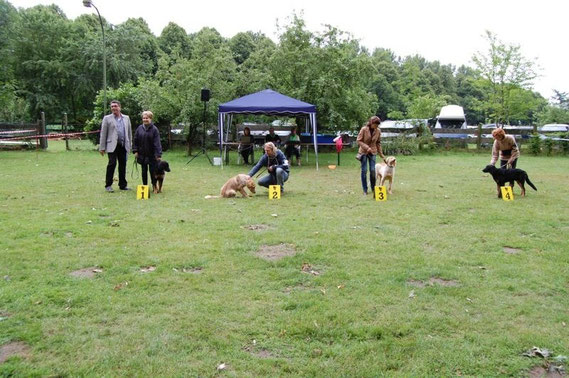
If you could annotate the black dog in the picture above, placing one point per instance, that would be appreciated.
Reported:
(503, 175)
(161, 168)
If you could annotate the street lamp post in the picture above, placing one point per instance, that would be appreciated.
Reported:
(89, 4)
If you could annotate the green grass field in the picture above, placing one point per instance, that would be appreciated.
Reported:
(442, 279)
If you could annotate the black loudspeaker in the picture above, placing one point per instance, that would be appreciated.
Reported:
(205, 94)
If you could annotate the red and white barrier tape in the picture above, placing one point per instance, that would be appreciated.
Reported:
(52, 135)
(17, 131)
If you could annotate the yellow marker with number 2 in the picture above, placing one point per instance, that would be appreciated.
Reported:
(507, 193)
(142, 192)
(380, 193)
(274, 192)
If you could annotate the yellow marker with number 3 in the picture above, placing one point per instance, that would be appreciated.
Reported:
(507, 193)
(274, 192)
(380, 193)
(142, 192)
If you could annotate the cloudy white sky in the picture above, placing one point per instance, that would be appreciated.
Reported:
(449, 31)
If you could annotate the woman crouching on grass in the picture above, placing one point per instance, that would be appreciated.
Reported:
(147, 147)
(369, 140)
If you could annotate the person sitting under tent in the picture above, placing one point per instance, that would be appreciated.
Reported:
(246, 145)
(293, 146)
(272, 137)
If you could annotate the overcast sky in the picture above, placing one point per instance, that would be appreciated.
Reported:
(444, 30)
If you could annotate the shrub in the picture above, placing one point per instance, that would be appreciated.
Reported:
(535, 144)
(401, 145)
(548, 146)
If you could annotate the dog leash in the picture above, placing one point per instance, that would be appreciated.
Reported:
(135, 168)
(262, 170)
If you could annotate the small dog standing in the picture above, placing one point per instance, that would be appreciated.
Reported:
(386, 171)
(236, 184)
(161, 168)
(503, 175)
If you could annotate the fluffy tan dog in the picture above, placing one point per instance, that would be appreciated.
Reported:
(385, 171)
(234, 185)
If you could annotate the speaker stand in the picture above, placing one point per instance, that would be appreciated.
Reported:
(203, 151)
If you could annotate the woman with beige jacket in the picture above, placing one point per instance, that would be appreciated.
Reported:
(369, 142)
(505, 148)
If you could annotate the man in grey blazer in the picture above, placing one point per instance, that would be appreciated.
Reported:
(116, 141)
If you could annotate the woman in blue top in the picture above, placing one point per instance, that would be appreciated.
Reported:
(277, 166)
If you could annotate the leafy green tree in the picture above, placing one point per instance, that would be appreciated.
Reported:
(254, 74)
(561, 99)
(383, 83)
(127, 95)
(40, 34)
(471, 94)
(524, 106)
(552, 114)
(132, 52)
(12, 108)
(427, 106)
(8, 19)
(329, 70)
(82, 54)
(175, 42)
(556, 112)
(242, 45)
(506, 70)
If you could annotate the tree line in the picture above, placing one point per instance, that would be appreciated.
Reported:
(53, 64)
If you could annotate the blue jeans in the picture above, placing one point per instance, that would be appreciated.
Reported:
(278, 178)
(368, 159)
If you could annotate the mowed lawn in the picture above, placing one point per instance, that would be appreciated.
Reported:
(442, 279)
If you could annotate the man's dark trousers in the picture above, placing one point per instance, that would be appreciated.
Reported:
(120, 155)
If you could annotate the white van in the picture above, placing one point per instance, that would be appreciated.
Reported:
(451, 117)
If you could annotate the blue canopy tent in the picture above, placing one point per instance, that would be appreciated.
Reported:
(266, 102)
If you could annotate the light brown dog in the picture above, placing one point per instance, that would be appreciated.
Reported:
(236, 184)
(385, 171)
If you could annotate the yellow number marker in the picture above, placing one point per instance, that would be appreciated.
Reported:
(380, 193)
(274, 192)
(507, 193)
(142, 192)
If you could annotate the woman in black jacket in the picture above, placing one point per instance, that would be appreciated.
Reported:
(147, 148)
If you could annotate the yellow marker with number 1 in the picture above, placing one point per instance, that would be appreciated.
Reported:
(507, 193)
(380, 193)
(274, 192)
(142, 192)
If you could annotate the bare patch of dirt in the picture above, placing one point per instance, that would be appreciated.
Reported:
(257, 227)
(15, 348)
(551, 372)
(86, 272)
(263, 353)
(416, 283)
(307, 268)
(147, 269)
(442, 282)
(299, 287)
(432, 282)
(260, 353)
(193, 270)
(511, 250)
(275, 252)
